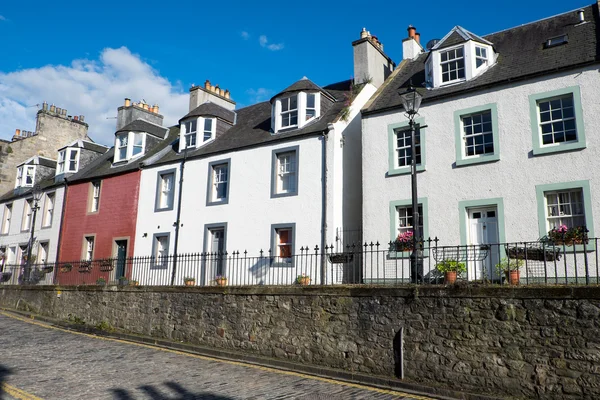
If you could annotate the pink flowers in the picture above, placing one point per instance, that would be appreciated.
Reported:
(405, 237)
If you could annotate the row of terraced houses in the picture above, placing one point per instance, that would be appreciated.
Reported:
(506, 150)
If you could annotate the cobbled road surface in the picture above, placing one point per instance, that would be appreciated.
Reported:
(44, 362)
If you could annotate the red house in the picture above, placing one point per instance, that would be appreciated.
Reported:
(100, 208)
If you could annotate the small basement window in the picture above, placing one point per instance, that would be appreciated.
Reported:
(556, 41)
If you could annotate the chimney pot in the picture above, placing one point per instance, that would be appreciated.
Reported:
(418, 37)
(45, 106)
(81, 118)
(227, 94)
(411, 31)
(52, 108)
(581, 15)
(127, 102)
(207, 84)
(58, 110)
(363, 33)
(76, 118)
(17, 132)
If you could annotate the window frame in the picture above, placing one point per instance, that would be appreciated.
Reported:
(485, 60)
(274, 171)
(84, 247)
(464, 59)
(210, 189)
(8, 206)
(213, 129)
(289, 111)
(164, 262)
(67, 160)
(205, 246)
(393, 168)
(60, 163)
(538, 147)
(584, 185)
(461, 158)
(47, 250)
(27, 204)
(276, 260)
(394, 204)
(187, 134)
(158, 194)
(45, 223)
(22, 171)
(91, 197)
(129, 147)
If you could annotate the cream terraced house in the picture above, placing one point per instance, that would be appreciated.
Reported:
(276, 177)
(508, 145)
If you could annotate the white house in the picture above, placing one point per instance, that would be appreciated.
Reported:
(21, 206)
(507, 149)
(270, 184)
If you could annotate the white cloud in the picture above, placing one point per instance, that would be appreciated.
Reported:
(245, 35)
(94, 88)
(2, 18)
(259, 95)
(264, 42)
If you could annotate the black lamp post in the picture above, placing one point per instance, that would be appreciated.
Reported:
(36, 195)
(411, 100)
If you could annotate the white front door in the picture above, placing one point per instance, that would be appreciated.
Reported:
(483, 232)
(216, 257)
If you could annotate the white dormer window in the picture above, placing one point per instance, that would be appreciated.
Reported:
(25, 176)
(296, 111)
(289, 112)
(189, 132)
(129, 145)
(68, 161)
(453, 65)
(480, 56)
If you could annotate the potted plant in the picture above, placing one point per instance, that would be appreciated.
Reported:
(47, 269)
(101, 281)
(66, 268)
(133, 282)
(303, 279)
(451, 269)
(5, 276)
(189, 281)
(85, 266)
(568, 236)
(221, 280)
(404, 242)
(510, 268)
(123, 281)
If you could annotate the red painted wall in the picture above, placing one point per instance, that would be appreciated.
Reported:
(115, 218)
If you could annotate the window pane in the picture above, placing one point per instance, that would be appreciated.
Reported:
(208, 124)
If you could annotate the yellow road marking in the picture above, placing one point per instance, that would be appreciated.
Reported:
(230, 362)
(17, 393)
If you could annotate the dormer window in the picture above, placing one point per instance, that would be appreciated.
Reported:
(453, 65)
(480, 56)
(289, 112)
(25, 176)
(68, 161)
(129, 145)
(311, 110)
(189, 130)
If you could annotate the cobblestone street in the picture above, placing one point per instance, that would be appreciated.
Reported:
(43, 362)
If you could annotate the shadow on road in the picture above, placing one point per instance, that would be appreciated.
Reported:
(176, 392)
(4, 372)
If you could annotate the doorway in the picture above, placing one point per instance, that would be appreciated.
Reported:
(483, 233)
(216, 248)
(121, 253)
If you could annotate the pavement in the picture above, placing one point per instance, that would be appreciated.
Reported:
(41, 361)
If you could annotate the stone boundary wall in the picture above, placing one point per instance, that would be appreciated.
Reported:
(513, 342)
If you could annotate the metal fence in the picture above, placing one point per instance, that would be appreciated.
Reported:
(522, 263)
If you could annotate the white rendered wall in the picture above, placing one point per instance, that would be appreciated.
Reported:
(513, 178)
(49, 234)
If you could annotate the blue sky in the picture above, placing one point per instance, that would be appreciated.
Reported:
(88, 56)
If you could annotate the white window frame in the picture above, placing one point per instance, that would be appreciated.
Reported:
(160, 250)
(43, 247)
(27, 215)
(404, 216)
(129, 146)
(314, 108)
(473, 135)
(576, 209)
(211, 131)
(290, 111)
(481, 57)
(397, 149)
(6, 218)
(453, 60)
(220, 177)
(553, 121)
(188, 133)
(88, 249)
(22, 173)
(95, 196)
(49, 205)
(68, 160)
(60, 164)
(166, 195)
(286, 170)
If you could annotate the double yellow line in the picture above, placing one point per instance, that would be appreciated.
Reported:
(230, 362)
(17, 393)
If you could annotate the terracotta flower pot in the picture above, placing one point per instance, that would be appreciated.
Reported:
(514, 277)
(222, 282)
(304, 281)
(450, 277)
(190, 283)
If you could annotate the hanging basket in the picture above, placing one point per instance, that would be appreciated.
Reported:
(341, 258)
(5, 276)
(533, 253)
(66, 268)
(106, 266)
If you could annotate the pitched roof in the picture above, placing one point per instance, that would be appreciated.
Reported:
(253, 127)
(45, 161)
(139, 125)
(84, 144)
(211, 109)
(521, 55)
(302, 84)
(457, 35)
(103, 165)
(45, 185)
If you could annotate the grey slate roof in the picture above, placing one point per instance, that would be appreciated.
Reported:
(213, 110)
(521, 56)
(139, 125)
(253, 127)
(98, 148)
(46, 162)
(458, 35)
(45, 185)
(103, 165)
(302, 84)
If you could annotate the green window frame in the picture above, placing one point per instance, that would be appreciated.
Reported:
(538, 147)
(461, 158)
(393, 229)
(393, 169)
(584, 185)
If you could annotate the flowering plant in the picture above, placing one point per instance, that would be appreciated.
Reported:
(220, 278)
(303, 279)
(189, 279)
(568, 236)
(404, 241)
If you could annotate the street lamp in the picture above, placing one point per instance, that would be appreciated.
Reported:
(411, 100)
(36, 196)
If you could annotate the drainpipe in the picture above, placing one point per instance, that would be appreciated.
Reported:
(178, 221)
(62, 218)
(324, 202)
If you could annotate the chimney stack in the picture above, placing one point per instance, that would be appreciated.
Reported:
(132, 111)
(411, 46)
(369, 59)
(210, 93)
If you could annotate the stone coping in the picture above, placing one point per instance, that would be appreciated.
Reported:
(548, 292)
